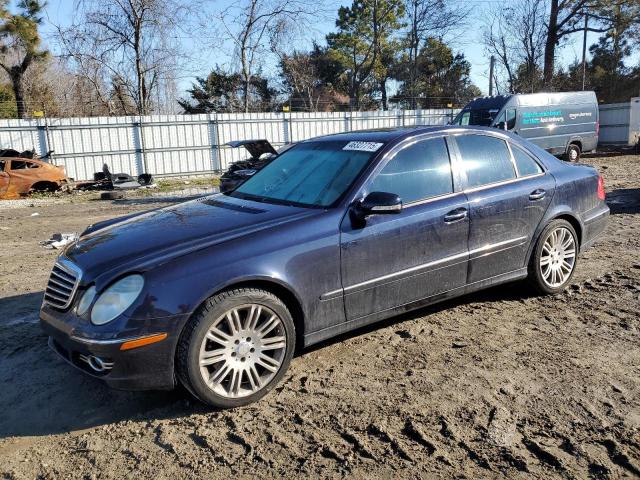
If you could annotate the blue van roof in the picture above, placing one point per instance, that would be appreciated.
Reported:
(488, 103)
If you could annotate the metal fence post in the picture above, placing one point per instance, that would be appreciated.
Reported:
(214, 142)
(285, 129)
(138, 140)
(43, 138)
(290, 124)
(142, 147)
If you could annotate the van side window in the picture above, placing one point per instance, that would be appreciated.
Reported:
(419, 171)
(485, 159)
(524, 163)
(511, 118)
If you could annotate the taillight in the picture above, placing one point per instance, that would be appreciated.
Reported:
(601, 192)
(597, 128)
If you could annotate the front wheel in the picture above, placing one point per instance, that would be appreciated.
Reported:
(554, 257)
(236, 347)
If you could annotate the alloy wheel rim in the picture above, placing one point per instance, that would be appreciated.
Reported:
(574, 154)
(558, 257)
(242, 351)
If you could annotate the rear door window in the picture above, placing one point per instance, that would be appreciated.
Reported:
(485, 159)
(525, 164)
(417, 172)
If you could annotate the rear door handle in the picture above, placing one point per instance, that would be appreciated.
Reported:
(455, 215)
(537, 194)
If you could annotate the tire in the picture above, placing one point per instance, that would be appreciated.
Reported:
(111, 195)
(220, 357)
(573, 153)
(547, 258)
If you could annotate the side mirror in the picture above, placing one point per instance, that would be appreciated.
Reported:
(376, 203)
(501, 125)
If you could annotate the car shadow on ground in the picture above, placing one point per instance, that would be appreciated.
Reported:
(624, 200)
(507, 292)
(43, 395)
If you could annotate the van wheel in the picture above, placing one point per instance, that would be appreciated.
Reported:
(236, 347)
(573, 153)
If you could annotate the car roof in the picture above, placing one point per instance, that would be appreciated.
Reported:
(387, 135)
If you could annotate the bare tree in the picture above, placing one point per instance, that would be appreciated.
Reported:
(565, 17)
(253, 26)
(516, 35)
(127, 46)
(428, 19)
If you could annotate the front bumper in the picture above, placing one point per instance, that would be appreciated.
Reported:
(150, 367)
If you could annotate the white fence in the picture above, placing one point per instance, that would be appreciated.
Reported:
(166, 145)
(620, 122)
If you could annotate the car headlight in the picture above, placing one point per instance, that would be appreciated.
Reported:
(116, 299)
(86, 301)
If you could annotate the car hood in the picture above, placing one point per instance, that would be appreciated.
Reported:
(139, 242)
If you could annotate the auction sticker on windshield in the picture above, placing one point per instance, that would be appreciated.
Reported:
(363, 146)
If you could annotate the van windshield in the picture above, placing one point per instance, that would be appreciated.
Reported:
(483, 118)
(313, 174)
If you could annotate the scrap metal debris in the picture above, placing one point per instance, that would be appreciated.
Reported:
(60, 240)
(105, 180)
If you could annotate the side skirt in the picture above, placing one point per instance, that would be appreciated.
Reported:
(334, 330)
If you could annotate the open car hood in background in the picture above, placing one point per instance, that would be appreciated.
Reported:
(255, 147)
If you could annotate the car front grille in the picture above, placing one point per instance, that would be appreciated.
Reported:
(62, 285)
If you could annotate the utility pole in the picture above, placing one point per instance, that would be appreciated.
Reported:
(584, 51)
(491, 66)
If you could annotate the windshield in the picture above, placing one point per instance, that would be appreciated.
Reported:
(482, 118)
(309, 174)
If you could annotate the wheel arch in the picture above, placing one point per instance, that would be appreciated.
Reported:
(44, 186)
(561, 215)
(575, 223)
(279, 289)
(575, 141)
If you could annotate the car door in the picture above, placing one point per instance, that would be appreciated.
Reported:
(508, 193)
(399, 259)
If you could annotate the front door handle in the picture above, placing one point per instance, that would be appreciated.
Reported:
(537, 194)
(455, 215)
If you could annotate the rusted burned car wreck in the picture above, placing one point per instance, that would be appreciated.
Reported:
(21, 174)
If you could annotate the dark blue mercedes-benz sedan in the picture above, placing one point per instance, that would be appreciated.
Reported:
(334, 233)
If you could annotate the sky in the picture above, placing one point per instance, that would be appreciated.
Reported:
(60, 12)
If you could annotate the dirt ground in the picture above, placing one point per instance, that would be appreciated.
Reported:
(497, 384)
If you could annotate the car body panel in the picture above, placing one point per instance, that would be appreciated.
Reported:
(256, 148)
(19, 180)
(398, 259)
(334, 275)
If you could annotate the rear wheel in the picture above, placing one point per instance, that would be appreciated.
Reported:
(554, 258)
(236, 347)
(573, 153)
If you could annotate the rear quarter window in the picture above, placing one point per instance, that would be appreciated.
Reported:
(485, 159)
(525, 164)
